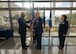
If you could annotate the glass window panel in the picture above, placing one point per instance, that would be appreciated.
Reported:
(46, 29)
(3, 5)
(4, 19)
(73, 24)
(59, 13)
(16, 5)
(73, 19)
(74, 4)
(15, 16)
(62, 4)
(43, 4)
(28, 5)
(20, 5)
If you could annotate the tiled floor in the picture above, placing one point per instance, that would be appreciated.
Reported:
(13, 46)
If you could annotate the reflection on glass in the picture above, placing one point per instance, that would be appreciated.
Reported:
(36, 52)
(13, 51)
(3, 5)
(4, 19)
(62, 4)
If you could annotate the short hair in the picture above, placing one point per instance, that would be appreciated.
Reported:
(65, 17)
(22, 14)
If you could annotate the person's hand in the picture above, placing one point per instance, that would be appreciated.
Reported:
(64, 34)
(31, 30)
(30, 17)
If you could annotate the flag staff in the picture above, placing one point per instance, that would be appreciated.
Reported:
(50, 26)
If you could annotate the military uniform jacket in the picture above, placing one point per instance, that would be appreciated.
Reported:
(63, 27)
(22, 25)
(37, 26)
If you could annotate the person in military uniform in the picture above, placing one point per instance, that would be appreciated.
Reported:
(38, 29)
(63, 28)
(22, 29)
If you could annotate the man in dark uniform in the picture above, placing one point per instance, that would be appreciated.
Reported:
(22, 29)
(63, 28)
(38, 29)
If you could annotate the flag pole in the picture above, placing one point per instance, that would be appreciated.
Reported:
(37, 9)
(44, 18)
(50, 26)
(49, 36)
(31, 24)
(43, 21)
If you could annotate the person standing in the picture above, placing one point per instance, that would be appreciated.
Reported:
(22, 29)
(38, 30)
(63, 28)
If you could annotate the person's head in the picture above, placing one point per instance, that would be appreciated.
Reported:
(37, 15)
(64, 17)
(22, 14)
